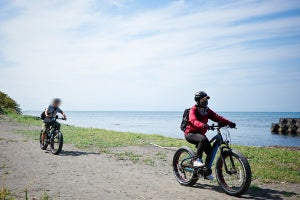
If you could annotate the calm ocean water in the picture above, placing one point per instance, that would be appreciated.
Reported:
(253, 128)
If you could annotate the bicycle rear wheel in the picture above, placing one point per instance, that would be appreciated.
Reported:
(56, 143)
(237, 179)
(183, 166)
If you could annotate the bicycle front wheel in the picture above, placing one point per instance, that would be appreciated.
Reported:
(56, 143)
(183, 166)
(233, 173)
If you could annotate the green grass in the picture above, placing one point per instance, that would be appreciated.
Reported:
(129, 155)
(149, 161)
(271, 164)
(267, 164)
(45, 196)
(5, 194)
(25, 119)
(161, 155)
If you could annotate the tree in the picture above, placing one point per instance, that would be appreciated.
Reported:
(8, 104)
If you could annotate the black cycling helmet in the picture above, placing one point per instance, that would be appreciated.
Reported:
(200, 95)
(56, 100)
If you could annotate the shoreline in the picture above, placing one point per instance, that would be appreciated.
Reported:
(91, 157)
(247, 134)
(36, 118)
(101, 140)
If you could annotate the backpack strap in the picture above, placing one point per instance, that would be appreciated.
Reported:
(55, 109)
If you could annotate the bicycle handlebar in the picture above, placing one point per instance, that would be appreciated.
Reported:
(213, 127)
(56, 117)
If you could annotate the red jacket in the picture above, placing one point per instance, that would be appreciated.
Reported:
(197, 121)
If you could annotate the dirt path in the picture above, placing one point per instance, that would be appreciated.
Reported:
(79, 174)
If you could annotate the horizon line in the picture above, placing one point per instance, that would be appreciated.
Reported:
(164, 111)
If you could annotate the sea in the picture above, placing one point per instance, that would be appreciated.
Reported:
(253, 128)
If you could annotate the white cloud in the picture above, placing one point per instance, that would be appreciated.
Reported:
(147, 60)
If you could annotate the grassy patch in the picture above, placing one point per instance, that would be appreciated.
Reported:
(129, 156)
(273, 164)
(25, 119)
(267, 164)
(149, 161)
(5, 193)
(161, 155)
(45, 196)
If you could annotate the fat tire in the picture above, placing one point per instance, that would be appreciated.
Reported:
(61, 141)
(247, 169)
(194, 178)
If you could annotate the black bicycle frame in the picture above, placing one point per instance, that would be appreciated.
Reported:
(52, 129)
(218, 142)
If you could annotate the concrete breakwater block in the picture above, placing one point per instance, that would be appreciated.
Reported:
(287, 126)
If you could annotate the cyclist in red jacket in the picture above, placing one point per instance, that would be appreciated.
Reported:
(197, 126)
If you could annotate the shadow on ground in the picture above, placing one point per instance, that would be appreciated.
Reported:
(257, 194)
(76, 153)
(265, 193)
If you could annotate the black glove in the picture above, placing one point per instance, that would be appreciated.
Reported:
(232, 125)
(221, 124)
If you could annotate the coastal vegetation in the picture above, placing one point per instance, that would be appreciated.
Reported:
(269, 164)
(8, 105)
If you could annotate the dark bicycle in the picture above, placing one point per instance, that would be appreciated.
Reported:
(54, 137)
(232, 168)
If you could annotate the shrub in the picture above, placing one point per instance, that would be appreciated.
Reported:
(7, 104)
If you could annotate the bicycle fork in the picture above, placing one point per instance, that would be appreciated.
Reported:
(232, 167)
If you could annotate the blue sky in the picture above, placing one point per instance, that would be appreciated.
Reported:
(151, 55)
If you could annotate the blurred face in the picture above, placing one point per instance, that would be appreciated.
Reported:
(56, 104)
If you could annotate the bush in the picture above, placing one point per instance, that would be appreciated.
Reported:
(7, 104)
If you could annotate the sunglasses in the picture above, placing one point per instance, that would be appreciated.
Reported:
(205, 98)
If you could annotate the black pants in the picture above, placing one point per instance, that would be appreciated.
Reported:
(202, 144)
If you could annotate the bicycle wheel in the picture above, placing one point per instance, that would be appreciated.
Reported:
(236, 180)
(183, 167)
(56, 143)
(45, 145)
